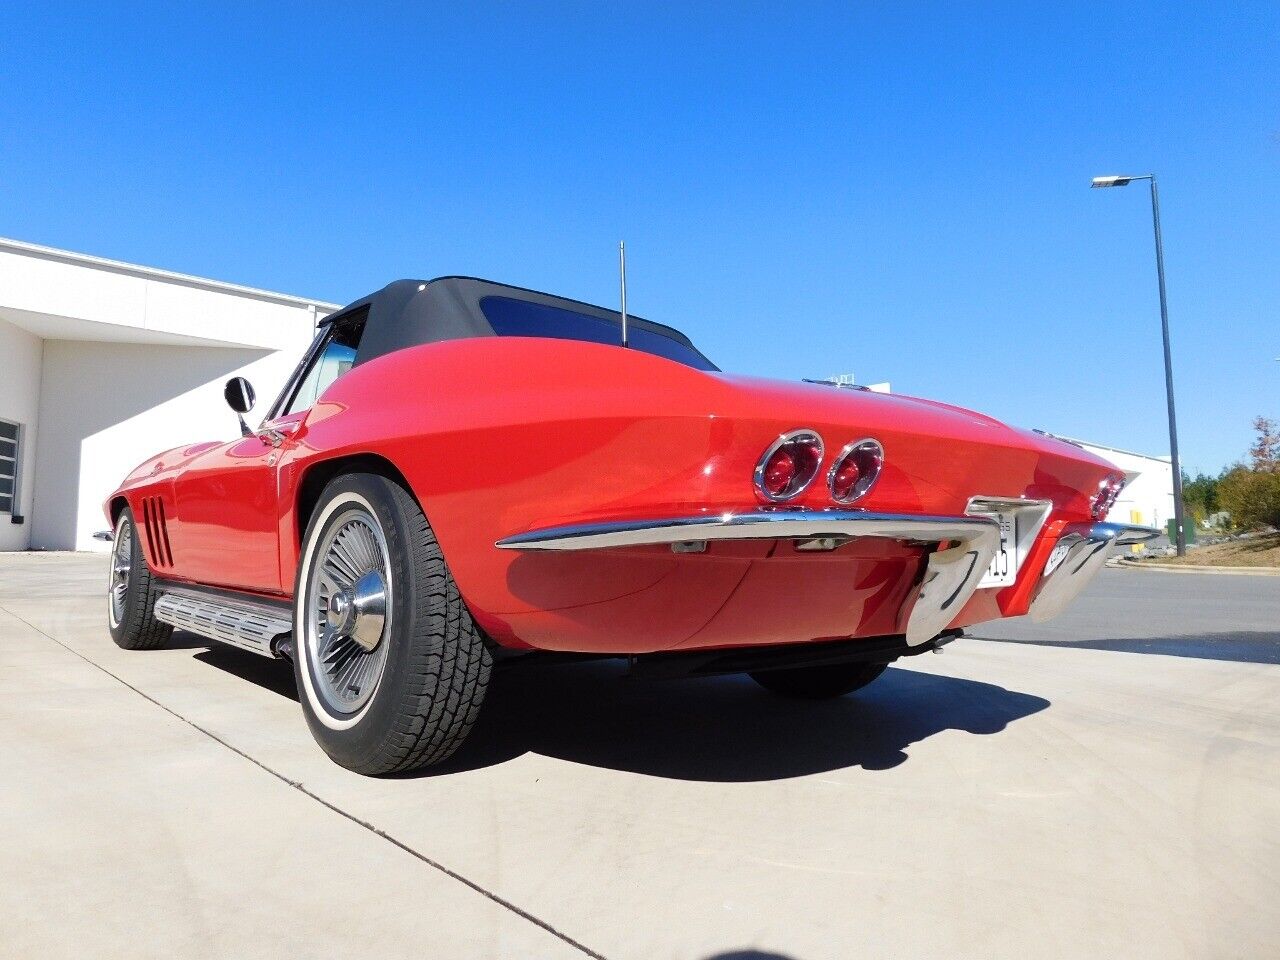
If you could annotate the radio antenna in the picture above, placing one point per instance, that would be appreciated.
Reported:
(622, 273)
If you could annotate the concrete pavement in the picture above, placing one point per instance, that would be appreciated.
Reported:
(1102, 785)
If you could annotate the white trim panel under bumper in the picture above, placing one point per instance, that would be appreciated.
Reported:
(950, 577)
(1081, 551)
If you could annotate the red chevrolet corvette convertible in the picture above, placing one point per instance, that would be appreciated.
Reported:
(461, 473)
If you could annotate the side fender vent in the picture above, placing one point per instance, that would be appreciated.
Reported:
(157, 532)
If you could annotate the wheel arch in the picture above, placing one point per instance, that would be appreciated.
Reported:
(317, 476)
(116, 507)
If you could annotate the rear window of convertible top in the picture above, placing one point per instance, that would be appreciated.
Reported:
(510, 317)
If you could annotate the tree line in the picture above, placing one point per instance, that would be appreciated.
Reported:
(1249, 491)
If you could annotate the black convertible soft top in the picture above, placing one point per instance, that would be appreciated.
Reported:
(407, 313)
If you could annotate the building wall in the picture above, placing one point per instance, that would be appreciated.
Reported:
(20, 354)
(118, 362)
(105, 407)
(1147, 498)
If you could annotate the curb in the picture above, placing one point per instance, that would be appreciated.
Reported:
(1170, 568)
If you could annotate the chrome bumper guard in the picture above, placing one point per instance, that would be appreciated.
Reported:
(1079, 554)
(949, 579)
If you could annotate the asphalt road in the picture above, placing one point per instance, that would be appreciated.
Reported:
(1105, 785)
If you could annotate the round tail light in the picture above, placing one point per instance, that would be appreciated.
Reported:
(789, 465)
(1108, 492)
(855, 471)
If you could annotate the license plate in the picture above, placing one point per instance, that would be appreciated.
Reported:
(1004, 565)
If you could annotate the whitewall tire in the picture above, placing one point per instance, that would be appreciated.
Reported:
(391, 669)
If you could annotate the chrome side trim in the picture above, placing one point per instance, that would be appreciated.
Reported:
(949, 579)
(241, 623)
(1080, 553)
(751, 525)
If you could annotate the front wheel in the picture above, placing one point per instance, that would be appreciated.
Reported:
(390, 666)
(131, 592)
(819, 683)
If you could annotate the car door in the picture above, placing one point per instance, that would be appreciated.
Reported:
(228, 497)
(228, 511)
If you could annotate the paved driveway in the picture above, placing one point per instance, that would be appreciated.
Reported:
(1108, 785)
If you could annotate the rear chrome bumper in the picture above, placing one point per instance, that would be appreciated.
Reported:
(1079, 554)
(949, 579)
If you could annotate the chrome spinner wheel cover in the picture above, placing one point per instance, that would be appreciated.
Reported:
(121, 568)
(348, 611)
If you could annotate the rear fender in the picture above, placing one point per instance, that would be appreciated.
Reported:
(499, 436)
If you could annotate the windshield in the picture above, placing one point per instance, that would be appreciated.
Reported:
(510, 317)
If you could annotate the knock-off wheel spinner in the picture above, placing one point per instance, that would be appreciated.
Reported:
(360, 611)
(350, 612)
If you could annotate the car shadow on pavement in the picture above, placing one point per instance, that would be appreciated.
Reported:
(1243, 646)
(181, 640)
(273, 675)
(722, 729)
(717, 729)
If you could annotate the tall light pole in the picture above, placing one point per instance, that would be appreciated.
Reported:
(1124, 181)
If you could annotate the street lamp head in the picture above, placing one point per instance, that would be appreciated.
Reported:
(1112, 181)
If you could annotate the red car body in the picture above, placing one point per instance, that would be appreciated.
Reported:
(500, 437)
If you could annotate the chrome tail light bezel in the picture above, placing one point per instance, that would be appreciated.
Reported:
(790, 437)
(864, 483)
(1109, 489)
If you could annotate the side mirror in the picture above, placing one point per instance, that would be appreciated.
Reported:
(239, 394)
(240, 397)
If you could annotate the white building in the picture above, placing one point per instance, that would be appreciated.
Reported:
(1147, 498)
(103, 364)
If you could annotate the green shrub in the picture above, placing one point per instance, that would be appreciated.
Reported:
(1252, 497)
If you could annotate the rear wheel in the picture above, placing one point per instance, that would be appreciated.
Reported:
(131, 593)
(391, 668)
(819, 683)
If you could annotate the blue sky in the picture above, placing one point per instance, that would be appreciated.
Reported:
(896, 191)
